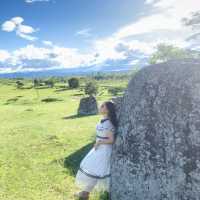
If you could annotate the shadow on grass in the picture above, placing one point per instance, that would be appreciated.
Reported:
(61, 90)
(41, 87)
(72, 161)
(24, 88)
(76, 116)
(78, 94)
(12, 100)
(50, 99)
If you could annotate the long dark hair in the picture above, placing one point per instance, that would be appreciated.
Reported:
(111, 107)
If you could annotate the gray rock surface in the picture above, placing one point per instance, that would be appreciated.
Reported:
(88, 106)
(156, 155)
(117, 101)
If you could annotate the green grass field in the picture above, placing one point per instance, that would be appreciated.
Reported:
(42, 143)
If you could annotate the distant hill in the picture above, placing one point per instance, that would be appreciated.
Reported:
(69, 71)
(110, 67)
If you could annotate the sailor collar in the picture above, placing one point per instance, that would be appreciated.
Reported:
(103, 120)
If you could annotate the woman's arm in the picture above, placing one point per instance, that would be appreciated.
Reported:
(109, 140)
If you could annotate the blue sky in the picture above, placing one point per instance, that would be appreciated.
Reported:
(47, 34)
(59, 20)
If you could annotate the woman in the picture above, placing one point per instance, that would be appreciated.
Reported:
(94, 170)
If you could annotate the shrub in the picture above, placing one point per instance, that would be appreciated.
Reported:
(91, 88)
(115, 90)
(49, 83)
(36, 82)
(73, 83)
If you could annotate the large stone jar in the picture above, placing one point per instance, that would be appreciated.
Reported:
(156, 155)
(88, 106)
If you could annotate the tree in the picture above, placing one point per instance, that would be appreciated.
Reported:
(36, 82)
(91, 88)
(73, 82)
(99, 76)
(49, 83)
(167, 52)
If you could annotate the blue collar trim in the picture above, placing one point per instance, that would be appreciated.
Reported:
(103, 120)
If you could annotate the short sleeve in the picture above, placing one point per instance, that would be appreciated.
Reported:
(109, 126)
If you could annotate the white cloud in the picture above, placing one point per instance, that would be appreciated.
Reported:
(33, 1)
(106, 49)
(149, 24)
(167, 18)
(47, 43)
(84, 32)
(8, 26)
(161, 25)
(70, 57)
(17, 20)
(25, 36)
(36, 58)
(23, 31)
(149, 1)
(4, 55)
(128, 45)
(31, 52)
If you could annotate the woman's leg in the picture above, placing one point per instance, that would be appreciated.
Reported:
(90, 185)
(87, 189)
(83, 195)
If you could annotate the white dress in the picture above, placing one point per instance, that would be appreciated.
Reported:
(94, 170)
